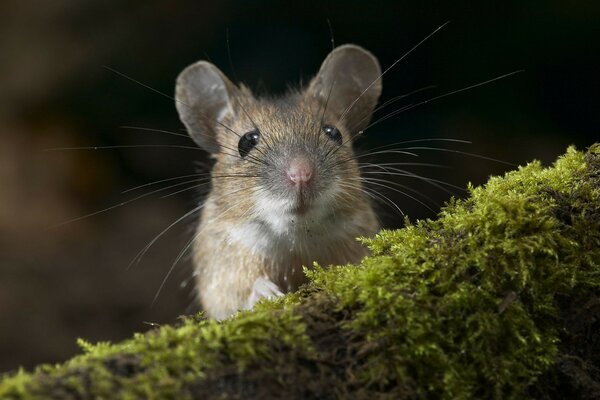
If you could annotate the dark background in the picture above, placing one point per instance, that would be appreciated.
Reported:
(60, 283)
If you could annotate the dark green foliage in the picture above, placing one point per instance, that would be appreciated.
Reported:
(497, 298)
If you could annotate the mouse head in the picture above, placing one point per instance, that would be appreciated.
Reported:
(293, 154)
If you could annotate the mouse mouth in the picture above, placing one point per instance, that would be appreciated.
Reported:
(300, 209)
(301, 203)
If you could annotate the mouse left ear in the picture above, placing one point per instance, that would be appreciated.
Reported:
(349, 82)
(203, 97)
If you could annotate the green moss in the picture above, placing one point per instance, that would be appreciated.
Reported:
(497, 298)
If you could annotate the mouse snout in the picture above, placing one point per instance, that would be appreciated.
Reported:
(300, 171)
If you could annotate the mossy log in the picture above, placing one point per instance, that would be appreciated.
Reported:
(499, 297)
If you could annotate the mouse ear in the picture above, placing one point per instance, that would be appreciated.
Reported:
(349, 82)
(203, 99)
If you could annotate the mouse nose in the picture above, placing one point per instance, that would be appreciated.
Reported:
(300, 171)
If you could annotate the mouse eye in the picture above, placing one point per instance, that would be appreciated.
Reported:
(247, 142)
(332, 133)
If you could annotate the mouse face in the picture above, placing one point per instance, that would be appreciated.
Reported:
(286, 162)
(296, 165)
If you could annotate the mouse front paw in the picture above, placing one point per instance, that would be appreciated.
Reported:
(263, 288)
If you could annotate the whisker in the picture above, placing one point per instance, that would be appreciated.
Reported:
(411, 106)
(374, 192)
(422, 140)
(229, 55)
(374, 181)
(359, 188)
(387, 103)
(159, 182)
(126, 146)
(385, 117)
(144, 85)
(249, 158)
(144, 250)
(435, 182)
(195, 186)
(331, 34)
(188, 245)
(389, 68)
(119, 205)
(463, 153)
(363, 165)
(403, 96)
(388, 170)
(165, 95)
(141, 128)
(356, 157)
(236, 79)
(204, 176)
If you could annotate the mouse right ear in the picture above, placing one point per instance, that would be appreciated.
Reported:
(349, 83)
(203, 100)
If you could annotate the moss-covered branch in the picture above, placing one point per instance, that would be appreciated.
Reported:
(497, 298)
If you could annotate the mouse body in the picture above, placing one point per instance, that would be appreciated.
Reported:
(286, 189)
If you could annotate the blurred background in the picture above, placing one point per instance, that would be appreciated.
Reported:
(61, 281)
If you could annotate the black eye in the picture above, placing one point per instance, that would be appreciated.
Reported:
(247, 142)
(332, 133)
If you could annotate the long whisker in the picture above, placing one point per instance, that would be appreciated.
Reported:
(160, 181)
(166, 95)
(411, 164)
(411, 106)
(434, 182)
(120, 204)
(249, 157)
(145, 249)
(385, 104)
(463, 153)
(395, 151)
(416, 192)
(236, 79)
(402, 96)
(187, 246)
(361, 188)
(195, 186)
(331, 34)
(144, 85)
(389, 68)
(375, 181)
(141, 253)
(205, 176)
(375, 193)
(229, 55)
(141, 128)
(126, 146)
(421, 140)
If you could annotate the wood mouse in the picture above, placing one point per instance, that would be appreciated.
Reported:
(285, 190)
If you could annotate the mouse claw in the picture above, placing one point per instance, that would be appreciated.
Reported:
(263, 288)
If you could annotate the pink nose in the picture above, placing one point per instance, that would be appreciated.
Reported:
(300, 171)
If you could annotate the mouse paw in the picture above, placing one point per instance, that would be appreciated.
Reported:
(263, 288)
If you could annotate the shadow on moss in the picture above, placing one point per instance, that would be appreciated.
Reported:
(497, 298)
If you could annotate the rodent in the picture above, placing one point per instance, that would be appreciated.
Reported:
(286, 189)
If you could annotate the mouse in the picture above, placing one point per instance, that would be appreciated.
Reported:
(286, 189)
